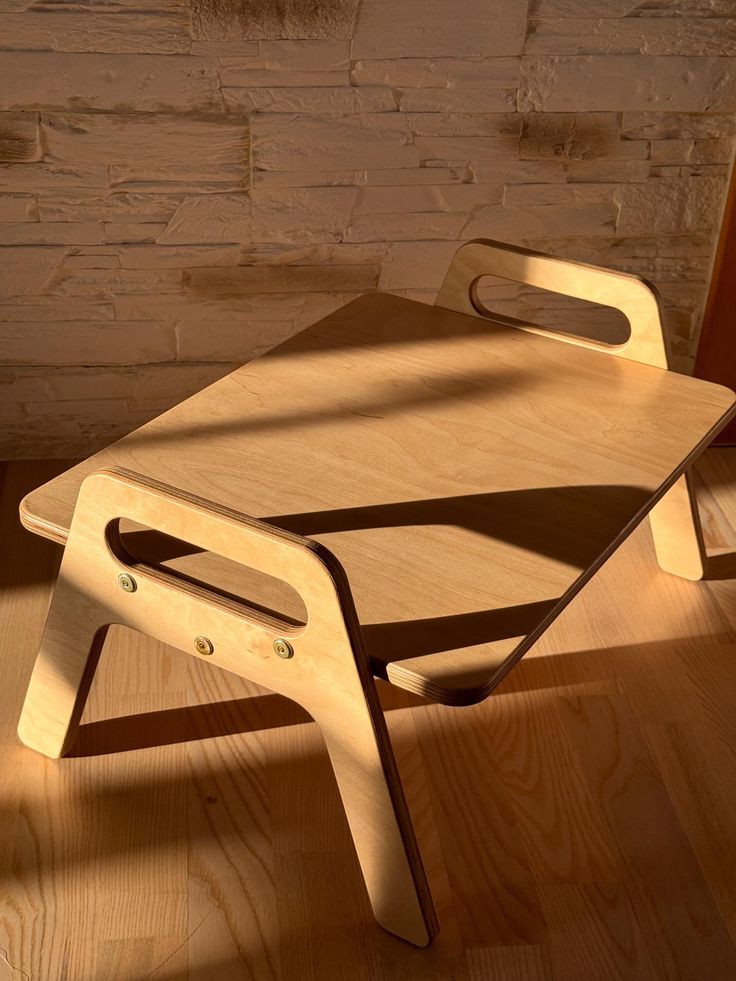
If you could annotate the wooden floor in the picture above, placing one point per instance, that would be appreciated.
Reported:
(580, 824)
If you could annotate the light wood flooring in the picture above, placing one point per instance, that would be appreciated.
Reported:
(579, 825)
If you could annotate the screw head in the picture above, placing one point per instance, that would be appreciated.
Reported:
(127, 582)
(204, 646)
(283, 648)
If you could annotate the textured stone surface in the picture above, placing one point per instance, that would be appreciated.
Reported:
(386, 29)
(19, 137)
(235, 19)
(133, 83)
(185, 183)
(306, 215)
(610, 82)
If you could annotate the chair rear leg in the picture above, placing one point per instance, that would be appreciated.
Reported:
(677, 533)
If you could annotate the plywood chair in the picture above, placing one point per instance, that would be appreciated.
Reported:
(434, 483)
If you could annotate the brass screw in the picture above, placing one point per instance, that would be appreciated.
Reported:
(127, 582)
(283, 648)
(203, 646)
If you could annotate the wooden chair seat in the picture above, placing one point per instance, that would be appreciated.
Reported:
(410, 490)
(469, 476)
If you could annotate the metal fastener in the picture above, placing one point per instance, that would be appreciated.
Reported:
(127, 582)
(283, 648)
(203, 646)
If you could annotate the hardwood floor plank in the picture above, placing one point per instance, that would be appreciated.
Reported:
(684, 932)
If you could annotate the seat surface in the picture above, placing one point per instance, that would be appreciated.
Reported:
(469, 476)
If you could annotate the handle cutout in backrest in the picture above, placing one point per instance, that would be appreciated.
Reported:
(521, 304)
(178, 562)
(635, 298)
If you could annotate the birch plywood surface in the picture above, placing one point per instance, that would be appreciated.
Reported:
(578, 824)
(467, 475)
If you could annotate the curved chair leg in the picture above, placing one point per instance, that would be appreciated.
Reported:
(321, 664)
(677, 533)
(64, 668)
(367, 776)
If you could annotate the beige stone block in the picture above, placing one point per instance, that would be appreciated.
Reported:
(78, 409)
(70, 280)
(163, 31)
(176, 256)
(691, 151)
(416, 265)
(408, 200)
(33, 177)
(400, 177)
(132, 232)
(244, 78)
(607, 35)
(415, 176)
(542, 195)
(104, 139)
(299, 216)
(506, 170)
(72, 343)
(284, 55)
(662, 257)
(491, 74)
(607, 170)
(51, 233)
(91, 257)
(201, 307)
(632, 82)
(201, 177)
(677, 125)
(576, 136)
(282, 279)
(670, 206)
(690, 170)
(175, 381)
(123, 83)
(96, 205)
(300, 19)
(229, 341)
(18, 207)
(319, 100)
(454, 100)
(468, 149)
(388, 30)
(19, 137)
(512, 224)
(25, 271)
(37, 308)
(225, 49)
(634, 8)
(90, 383)
(339, 253)
(405, 227)
(18, 385)
(370, 140)
(498, 125)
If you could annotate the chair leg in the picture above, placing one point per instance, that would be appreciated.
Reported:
(62, 674)
(678, 536)
(367, 777)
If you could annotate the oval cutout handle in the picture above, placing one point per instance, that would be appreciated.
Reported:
(633, 296)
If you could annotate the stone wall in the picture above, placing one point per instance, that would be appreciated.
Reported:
(184, 185)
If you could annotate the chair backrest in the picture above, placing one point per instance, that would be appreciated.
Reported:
(634, 297)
